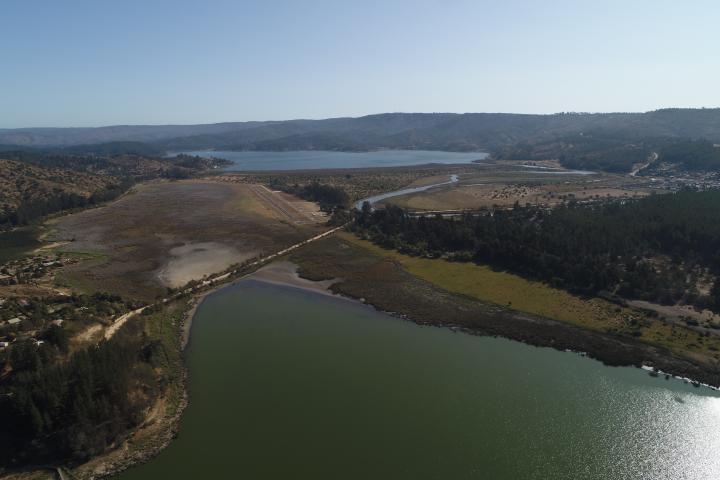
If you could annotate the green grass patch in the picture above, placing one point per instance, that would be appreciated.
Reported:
(482, 283)
(160, 331)
(164, 327)
(18, 243)
(72, 277)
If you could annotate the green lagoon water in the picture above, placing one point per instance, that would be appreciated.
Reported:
(288, 384)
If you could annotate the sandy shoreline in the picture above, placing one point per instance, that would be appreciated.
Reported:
(277, 273)
(188, 318)
(285, 273)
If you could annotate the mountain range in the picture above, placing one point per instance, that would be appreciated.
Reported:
(430, 131)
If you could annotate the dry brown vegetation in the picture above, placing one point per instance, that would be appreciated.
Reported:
(502, 185)
(138, 244)
(358, 183)
(22, 182)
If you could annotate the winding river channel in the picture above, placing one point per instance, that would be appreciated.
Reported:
(405, 191)
(291, 384)
(455, 179)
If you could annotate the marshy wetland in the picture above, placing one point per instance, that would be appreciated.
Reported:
(165, 234)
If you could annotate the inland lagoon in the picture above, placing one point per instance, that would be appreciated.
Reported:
(286, 383)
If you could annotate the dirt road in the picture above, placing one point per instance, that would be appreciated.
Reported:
(282, 205)
(122, 319)
(652, 159)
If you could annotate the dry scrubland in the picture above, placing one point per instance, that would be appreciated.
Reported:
(501, 185)
(22, 182)
(484, 184)
(166, 233)
(359, 183)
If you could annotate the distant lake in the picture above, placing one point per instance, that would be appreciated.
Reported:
(306, 160)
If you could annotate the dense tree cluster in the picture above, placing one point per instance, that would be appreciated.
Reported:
(117, 148)
(693, 155)
(86, 154)
(328, 196)
(595, 150)
(53, 409)
(615, 152)
(195, 162)
(654, 249)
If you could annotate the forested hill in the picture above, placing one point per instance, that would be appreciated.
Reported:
(617, 152)
(664, 248)
(34, 184)
(30, 191)
(434, 131)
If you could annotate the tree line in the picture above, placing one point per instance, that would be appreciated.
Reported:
(328, 196)
(693, 154)
(59, 410)
(53, 202)
(615, 152)
(654, 249)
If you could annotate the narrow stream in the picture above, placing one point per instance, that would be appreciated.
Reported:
(376, 198)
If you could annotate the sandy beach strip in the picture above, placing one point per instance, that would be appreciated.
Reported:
(276, 273)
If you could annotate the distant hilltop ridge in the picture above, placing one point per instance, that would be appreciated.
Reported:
(431, 131)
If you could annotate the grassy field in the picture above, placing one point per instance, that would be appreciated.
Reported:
(483, 283)
(74, 279)
(501, 288)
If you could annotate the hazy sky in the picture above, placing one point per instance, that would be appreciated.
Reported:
(102, 62)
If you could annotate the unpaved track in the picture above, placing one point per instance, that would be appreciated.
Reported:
(285, 208)
(122, 319)
(652, 159)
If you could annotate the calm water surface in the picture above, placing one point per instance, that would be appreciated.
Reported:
(287, 384)
(305, 160)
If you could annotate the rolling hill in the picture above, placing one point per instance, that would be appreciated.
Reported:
(469, 131)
